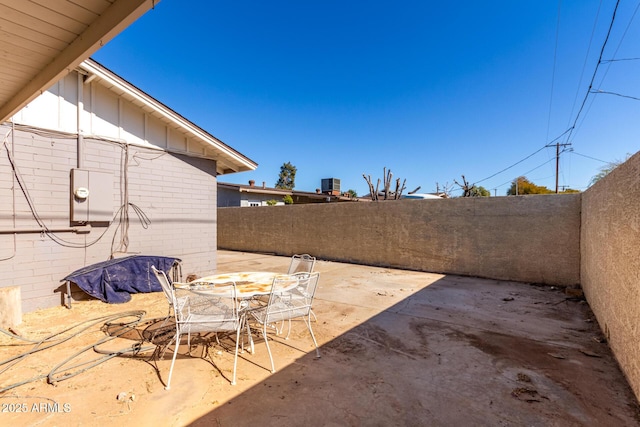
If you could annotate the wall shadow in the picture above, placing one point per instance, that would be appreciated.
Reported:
(462, 351)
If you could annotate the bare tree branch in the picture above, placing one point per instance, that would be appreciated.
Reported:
(387, 194)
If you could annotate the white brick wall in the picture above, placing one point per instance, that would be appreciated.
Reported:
(177, 193)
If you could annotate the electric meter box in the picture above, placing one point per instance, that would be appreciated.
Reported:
(91, 197)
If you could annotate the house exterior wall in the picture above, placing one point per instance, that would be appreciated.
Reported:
(175, 192)
(522, 238)
(246, 196)
(104, 114)
(229, 198)
(610, 272)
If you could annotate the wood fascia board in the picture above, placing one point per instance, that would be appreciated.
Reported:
(259, 190)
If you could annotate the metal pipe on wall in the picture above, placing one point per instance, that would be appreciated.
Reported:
(80, 150)
(37, 230)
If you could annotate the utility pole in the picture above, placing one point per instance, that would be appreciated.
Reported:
(558, 145)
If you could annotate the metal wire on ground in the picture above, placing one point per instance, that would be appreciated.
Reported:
(58, 374)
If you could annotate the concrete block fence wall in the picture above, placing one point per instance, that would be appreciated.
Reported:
(523, 238)
(610, 268)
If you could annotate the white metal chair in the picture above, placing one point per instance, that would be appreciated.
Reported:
(301, 264)
(288, 305)
(196, 312)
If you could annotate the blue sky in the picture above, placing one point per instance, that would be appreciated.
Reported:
(430, 90)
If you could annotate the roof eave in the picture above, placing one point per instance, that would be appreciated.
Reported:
(238, 163)
(106, 26)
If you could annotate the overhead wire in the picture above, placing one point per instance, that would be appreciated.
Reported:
(529, 171)
(588, 157)
(615, 52)
(595, 71)
(609, 62)
(606, 61)
(604, 92)
(526, 158)
(569, 131)
(553, 71)
(539, 166)
(586, 58)
(515, 164)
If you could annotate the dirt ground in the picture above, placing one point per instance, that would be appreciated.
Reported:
(398, 348)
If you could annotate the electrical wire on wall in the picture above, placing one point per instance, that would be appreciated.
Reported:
(123, 225)
(13, 192)
(122, 214)
(41, 223)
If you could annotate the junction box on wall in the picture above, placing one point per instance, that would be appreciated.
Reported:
(91, 197)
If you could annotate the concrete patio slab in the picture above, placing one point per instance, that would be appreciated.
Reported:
(398, 348)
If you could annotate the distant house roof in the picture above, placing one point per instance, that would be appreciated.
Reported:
(278, 192)
(418, 196)
(228, 160)
(42, 42)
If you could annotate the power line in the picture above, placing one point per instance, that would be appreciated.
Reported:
(624, 34)
(586, 57)
(553, 71)
(610, 61)
(570, 130)
(515, 164)
(604, 92)
(529, 156)
(595, 71)
(607, 61)
(588, 157)
(524, 174)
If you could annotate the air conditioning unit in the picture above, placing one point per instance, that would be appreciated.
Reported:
(331, 185)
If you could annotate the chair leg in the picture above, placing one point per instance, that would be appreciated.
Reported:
(250, 340)
(279, 331)
(289, 331)
(266, 341)
(307, 320)
(314, 315)
(173, 361)
(235, 359)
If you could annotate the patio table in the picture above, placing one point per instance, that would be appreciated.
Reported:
(248, 283)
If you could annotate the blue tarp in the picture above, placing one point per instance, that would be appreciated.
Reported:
(115, 280)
